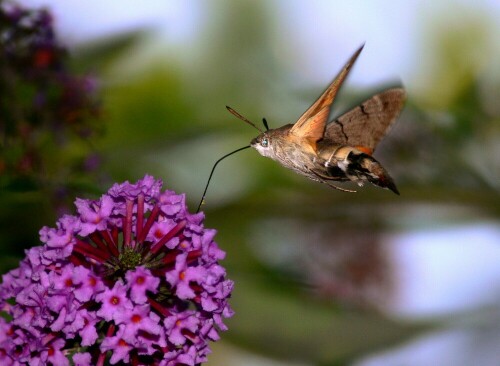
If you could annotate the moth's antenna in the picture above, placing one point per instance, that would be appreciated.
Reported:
(212, 172)
(264, 121)
(236, 114)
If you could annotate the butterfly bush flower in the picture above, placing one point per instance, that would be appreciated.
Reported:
(134, 278)
(45, 108)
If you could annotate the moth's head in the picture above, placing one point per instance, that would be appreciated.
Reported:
(263, 144)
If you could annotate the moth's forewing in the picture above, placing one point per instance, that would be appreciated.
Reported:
(366, 124)
(311, 125)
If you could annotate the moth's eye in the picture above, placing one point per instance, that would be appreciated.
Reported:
(264, 142)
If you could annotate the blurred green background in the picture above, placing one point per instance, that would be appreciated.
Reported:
(322, 277)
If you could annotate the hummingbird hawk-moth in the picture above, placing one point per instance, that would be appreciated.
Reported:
(340, 150)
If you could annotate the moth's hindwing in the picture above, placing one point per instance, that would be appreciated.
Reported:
(365, 125)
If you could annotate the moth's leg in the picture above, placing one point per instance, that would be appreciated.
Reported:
(325, 179)
(340, 189)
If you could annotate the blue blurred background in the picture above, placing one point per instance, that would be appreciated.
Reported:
(322, 277)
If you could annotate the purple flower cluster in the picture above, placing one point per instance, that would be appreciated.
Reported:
(34, 59)
(40, 95)
(132, 279)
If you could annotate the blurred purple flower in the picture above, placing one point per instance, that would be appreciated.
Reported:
(43, 104)
(133, 278)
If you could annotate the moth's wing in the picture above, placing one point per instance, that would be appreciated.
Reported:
(311, 125)
(365, 125)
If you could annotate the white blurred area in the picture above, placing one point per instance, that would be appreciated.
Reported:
(446, 271)
(476, 345)
(443, 271)
(323, 34)
(80, 21)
